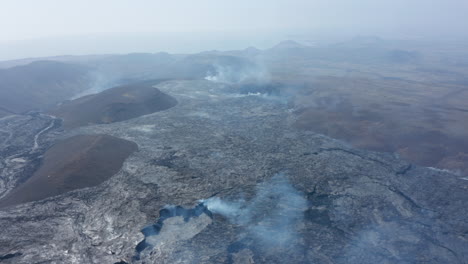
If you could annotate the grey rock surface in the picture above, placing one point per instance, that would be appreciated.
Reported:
(332, 204)
(23, 139)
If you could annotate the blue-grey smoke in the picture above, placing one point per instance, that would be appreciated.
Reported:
(272, 217)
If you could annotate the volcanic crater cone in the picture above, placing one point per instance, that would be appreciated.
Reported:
(74, 163)
(114, 105)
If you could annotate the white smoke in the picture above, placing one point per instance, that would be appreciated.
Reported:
(271, 217)
(99, 84)
(454, 172)
(231, 210)
(237, 74)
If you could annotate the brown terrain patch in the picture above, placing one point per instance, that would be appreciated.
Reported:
(114, 105)
(74, 163)
(423, 123)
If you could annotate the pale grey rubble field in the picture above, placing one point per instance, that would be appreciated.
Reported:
(348, 206)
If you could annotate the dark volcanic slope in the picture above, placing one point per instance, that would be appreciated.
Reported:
(74, 163)
(40, 85)
(113, 105)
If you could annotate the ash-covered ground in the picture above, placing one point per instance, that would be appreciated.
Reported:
(223, 177)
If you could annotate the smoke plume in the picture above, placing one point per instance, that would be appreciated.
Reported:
(271, 218)
(233, 70)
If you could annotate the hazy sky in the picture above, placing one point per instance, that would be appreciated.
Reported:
(34, 19)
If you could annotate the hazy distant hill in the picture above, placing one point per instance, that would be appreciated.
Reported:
(64, 58)
(361, 51)
(141, 66)
(134, 66)
(40, 85)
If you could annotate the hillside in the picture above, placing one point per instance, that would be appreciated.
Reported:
(74, 163)
(41, 85)
(113, 105)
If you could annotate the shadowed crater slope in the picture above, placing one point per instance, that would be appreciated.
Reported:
(77, 162)
(114, 105)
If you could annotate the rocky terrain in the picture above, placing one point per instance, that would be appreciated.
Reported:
(23, 140)
(409, 98)
(390, 116)
(226, 177)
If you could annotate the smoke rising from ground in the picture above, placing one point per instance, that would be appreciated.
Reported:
(232, 70)
(269, 221)
(229, 74)
(99, 84)
(271, 218)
